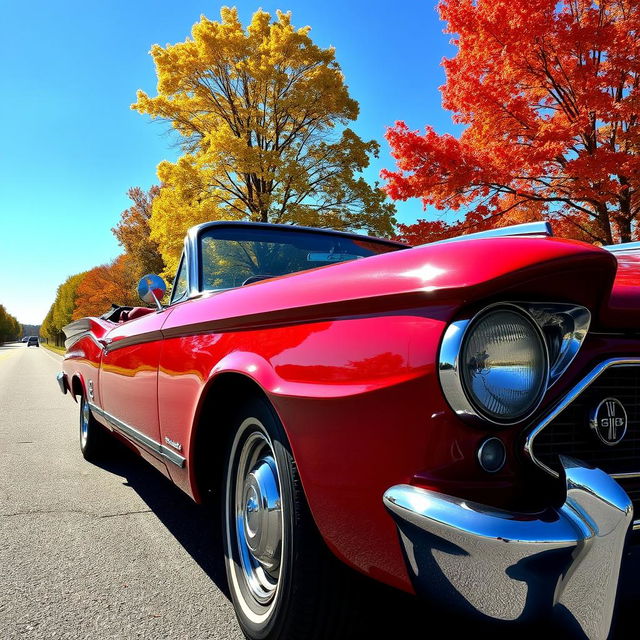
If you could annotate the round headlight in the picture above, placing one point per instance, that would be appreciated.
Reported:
(504, 365)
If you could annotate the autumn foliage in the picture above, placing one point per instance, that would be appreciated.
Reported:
(90, 293)
(549, 95)
(103, 286)
(547, 92)
(61, 310)
(262, 114)
(133, 234)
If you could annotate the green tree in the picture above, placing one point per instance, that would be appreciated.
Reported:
(9, 326)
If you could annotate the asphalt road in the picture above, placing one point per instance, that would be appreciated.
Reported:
(91, 552)
(116, 551)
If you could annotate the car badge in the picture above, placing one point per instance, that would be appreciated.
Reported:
(609, 421)
(173, 443)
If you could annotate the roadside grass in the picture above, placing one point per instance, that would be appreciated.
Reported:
(59, 350)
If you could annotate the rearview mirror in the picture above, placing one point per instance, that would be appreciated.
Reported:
(151, 289)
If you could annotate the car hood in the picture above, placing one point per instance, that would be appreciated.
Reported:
(448, 276)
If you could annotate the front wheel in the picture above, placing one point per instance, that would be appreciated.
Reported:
(281, 576)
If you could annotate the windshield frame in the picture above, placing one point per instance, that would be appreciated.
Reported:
(193, 245)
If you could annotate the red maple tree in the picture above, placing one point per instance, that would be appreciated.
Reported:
(548, 93)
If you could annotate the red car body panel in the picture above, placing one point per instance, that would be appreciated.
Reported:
(347, 355)
(623, 310)
(129, 377)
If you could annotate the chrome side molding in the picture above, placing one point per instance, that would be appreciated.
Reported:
(139, 438)
(539, 228)
(562, 564)
(625, 246)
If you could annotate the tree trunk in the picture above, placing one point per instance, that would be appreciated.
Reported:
(625, 217)
(606, 237)
(624, 225)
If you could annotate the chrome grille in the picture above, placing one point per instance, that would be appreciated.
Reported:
(632, 487)
(569, 432)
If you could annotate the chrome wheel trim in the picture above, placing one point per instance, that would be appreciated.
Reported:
(85, 416)
(254, 522)
(258, 517)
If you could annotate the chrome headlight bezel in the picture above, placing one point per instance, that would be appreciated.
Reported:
(561, 328)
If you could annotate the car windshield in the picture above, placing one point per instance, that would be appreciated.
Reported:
(233, 256)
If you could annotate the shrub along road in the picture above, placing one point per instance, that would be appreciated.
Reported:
(116, 551)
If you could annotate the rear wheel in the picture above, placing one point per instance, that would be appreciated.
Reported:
(93, 437)
(281, 576)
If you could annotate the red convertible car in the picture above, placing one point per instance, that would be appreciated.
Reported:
(460, 420)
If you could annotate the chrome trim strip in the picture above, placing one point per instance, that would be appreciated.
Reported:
(140, 437)
(564, 402)
(625, 246)
(517, 566)
(82, 325)
(548, 315)
(625, 476)
(636, 525)
(185, 295)
(70, 342)
(526, 229)
(171, 456)
(131, 341)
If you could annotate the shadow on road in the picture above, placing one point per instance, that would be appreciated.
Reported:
(194, 526)
(382, 612)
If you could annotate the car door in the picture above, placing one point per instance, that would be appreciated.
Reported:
(129, 382)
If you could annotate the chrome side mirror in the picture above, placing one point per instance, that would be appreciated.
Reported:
(151, 289)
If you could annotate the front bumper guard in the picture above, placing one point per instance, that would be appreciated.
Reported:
(507, 566)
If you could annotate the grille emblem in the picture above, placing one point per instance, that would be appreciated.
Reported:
(609, 421)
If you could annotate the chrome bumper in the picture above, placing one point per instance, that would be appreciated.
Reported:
(62, 381)
(507, 566)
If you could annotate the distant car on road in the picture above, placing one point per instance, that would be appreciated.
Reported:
(32, 341)
(24, 339)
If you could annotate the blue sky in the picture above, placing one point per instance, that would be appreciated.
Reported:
(72, 146)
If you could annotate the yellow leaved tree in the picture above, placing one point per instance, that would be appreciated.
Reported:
(262, 114)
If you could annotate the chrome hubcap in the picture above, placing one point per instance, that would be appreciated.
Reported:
(84, 423)
(258, 516)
